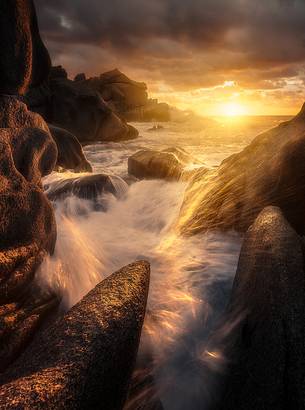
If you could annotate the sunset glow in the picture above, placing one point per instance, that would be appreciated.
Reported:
(233, 110)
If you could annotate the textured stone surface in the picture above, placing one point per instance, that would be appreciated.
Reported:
(70, 153)
(269, 171)
(27, 228)
(170, 164)
(266, 350)
(85, 359)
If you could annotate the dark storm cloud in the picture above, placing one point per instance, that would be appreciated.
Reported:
(188, 43)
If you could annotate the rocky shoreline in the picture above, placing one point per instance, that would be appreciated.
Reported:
(85, 357)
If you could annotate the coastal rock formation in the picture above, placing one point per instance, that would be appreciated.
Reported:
(79, 109)
(70, 153)
(88, 187)
(265, 351)
(27, 225)
(19, 31)
(27, 153)
(128, 98)
(269, 171)
(170, 164)
(85, 359)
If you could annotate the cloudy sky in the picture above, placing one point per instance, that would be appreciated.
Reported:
(207, 55)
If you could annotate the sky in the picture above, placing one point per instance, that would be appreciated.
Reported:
(215, 57)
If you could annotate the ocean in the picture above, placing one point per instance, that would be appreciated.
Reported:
(191, 277)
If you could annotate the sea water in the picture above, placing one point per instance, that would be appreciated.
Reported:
(191, 277)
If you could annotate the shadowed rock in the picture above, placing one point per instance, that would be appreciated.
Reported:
(85, 359)
(128, 98)
(269, 171)
(41, 62)
(170, 164)
(79, 109)
(266, 350)
(70, 153)
(88, 187)
(23, 57)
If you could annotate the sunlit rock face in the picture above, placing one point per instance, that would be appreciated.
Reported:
(27, 224)
(265, 352)
(269, 171)
(79, 109)
(85, 359)
(170, 164)
(70, 152)
(28, 152)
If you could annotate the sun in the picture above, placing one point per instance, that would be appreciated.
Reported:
(233, 110)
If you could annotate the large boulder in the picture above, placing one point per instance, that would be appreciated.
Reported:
(85, 359)
(70, 153)
(87, 187)
(269, 171)
(170, 164)
(79, 109)
(23, 57)
(27, 153)
(266, 349)
(128, 98)
(27, 224)
(119, 90)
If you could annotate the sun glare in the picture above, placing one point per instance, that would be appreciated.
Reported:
(233, 110)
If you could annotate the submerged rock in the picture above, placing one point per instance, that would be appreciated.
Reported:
(85, 359)
(170, 164)
(70, 153)
(88, 187)
(269, 171)
(266, 351)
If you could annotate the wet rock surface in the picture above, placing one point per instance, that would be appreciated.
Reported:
(265, 351)
(169, 164)
(269, 171)
(85, 359)
(70, 153)
(88, 187)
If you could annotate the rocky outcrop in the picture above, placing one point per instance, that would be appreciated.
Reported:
(128, 98)
(85, 359)
(24, 59)
(269, 171)
(88, 187)
(79, 109)
(170, 164)
(70, 153)
(27, 224)
(265, 352)
(27, 153)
